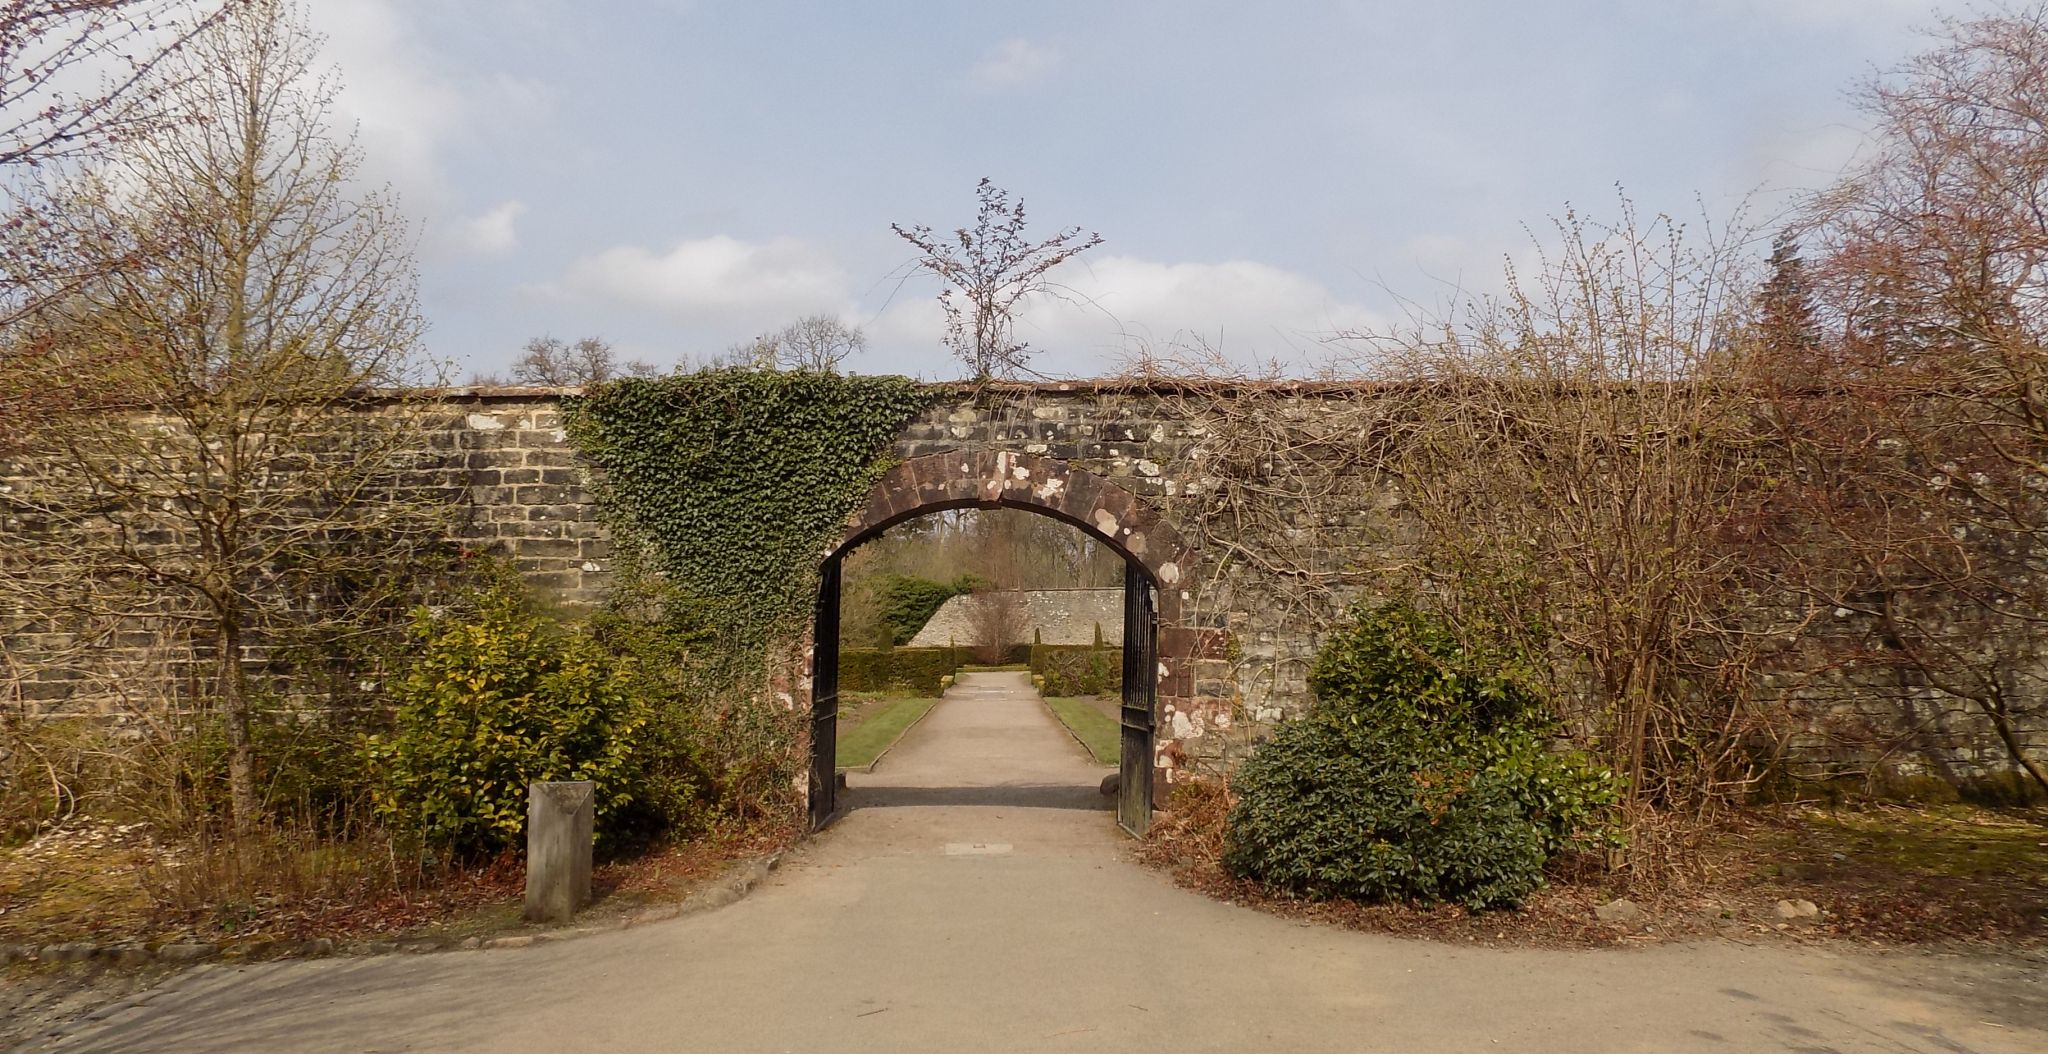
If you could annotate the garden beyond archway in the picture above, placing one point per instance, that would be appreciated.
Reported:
(1155, 561)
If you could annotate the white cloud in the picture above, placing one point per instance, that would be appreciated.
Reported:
(403, 109)
(496, 231)
(716, 279)
(1113, 306)
(413, 108)
(1015, 61)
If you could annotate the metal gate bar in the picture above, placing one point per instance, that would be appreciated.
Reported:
(1140, 697)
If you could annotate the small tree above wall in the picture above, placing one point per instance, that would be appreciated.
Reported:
(989, 270)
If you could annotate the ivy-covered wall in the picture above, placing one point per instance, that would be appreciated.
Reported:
(724, 485)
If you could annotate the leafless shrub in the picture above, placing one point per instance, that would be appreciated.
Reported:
(997, 619)
(989, 270)
(1570, 468)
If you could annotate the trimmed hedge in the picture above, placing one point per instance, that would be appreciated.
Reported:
(1078, 669)
(880, 669)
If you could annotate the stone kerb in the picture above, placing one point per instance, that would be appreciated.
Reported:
(1193, 678)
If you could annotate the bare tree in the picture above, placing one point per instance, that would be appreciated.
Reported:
(552, 363)
(1929, 466)
(243, 498)
(815, 342)
(997, 618)
(76, 76)
(989, 270)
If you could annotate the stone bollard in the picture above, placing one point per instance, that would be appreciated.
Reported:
(560, 820)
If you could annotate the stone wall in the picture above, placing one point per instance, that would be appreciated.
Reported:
(1044, 616)
(1135, 464)
(511, 463)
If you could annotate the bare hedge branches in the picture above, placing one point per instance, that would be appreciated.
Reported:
(1569, 468)
(1584, 472)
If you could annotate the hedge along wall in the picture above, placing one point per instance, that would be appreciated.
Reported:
(1079, 669)
(917, 670)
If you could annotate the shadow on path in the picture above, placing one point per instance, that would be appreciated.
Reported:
(1024, 796)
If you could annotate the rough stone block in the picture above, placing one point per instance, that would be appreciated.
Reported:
(560, 832)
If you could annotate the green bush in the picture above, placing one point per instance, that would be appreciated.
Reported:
(496, 698)
(1078, 669)
(919, 669)
(1422, 773)
(865, 669)
(913, 669)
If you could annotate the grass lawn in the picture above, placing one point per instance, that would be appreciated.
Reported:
(1091, 723)
(882, 722)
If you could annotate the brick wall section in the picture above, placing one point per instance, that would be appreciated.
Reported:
(511, 463)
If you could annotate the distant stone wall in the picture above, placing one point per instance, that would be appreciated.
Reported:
(1048, 616)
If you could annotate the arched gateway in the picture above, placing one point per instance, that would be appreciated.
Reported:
(1155, 560)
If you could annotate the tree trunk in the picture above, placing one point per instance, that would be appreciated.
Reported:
(2006, 735)
(234, 704)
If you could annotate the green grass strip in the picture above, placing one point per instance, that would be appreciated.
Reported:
(1096, 730)
(883, 727)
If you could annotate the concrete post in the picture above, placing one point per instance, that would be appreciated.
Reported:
(560, 828)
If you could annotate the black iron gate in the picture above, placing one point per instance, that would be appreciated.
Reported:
(824, 779)
(1141, 693)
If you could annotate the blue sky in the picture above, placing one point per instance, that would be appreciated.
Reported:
(677, 175)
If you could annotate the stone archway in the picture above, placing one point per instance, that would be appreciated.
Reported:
(1160, 647)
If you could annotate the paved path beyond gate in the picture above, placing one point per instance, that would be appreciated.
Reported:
(976, 897)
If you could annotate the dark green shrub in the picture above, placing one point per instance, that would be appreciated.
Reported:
(919, 669)
(496, 698)
(912, 669)
(1421, 773)
(865, 669)
(1078, 669)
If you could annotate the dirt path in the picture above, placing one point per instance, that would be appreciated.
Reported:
(976, 896)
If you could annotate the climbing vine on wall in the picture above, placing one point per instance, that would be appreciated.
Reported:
(726, 484)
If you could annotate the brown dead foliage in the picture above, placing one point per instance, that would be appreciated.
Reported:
(117, 884)
(1879, 874)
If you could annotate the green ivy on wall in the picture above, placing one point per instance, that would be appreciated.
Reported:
(727, 484)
